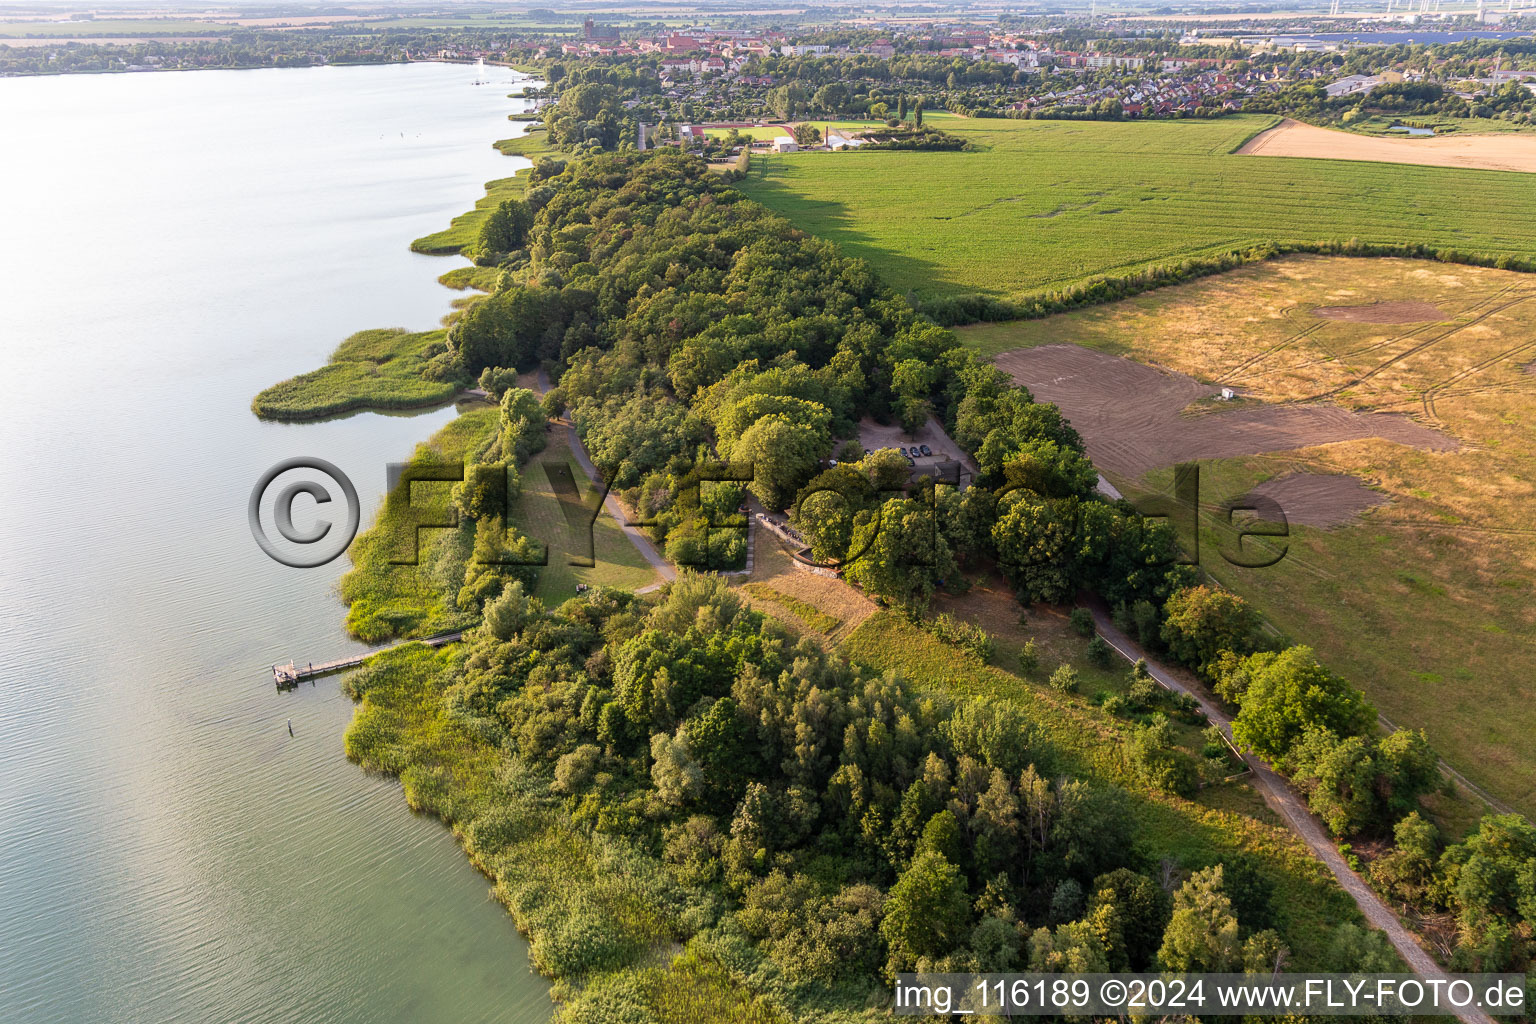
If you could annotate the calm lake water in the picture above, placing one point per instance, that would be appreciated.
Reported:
(172, 244)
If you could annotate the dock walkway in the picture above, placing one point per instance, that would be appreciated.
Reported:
(290, 675)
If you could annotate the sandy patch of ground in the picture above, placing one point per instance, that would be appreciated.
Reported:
(1318, 499)
(1132, 415)
(1383, 313)
(1510, 151)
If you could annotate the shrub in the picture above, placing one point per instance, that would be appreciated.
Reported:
(1064, 679)
(1099, 652)
(1082, 621)
(965, 635)
(1029, 656)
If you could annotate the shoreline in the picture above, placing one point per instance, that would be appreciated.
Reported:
(67, 73)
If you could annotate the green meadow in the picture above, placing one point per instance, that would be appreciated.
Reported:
(1042, 205)
(538, 515)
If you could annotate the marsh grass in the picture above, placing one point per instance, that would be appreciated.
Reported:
(374, 369)
(387, 600)
(465, 228)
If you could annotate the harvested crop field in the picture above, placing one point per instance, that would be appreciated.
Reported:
(1324, 500)
(1383, 313)
(1505, 151)
(1133, 417)
(1427, 601)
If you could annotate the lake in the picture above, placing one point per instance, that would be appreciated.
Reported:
(174, 243)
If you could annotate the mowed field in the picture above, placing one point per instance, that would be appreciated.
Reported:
(1045, 204)
(1510, 151)
(538, 515)
(1423, 589)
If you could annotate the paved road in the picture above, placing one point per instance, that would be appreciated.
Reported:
(1288, 803)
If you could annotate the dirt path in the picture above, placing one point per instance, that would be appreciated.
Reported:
(1287, 802)
(1499, 151)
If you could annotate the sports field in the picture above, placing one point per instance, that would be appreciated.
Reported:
(1417, 581)
(1044, 204)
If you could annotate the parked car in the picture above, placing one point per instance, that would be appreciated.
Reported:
(868, 452)
(911, 461)
(925, 449)
(904, 454)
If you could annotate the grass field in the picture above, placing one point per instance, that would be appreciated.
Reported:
(1045, 204)
(538, 514)
(376, 369)
(1426, 601)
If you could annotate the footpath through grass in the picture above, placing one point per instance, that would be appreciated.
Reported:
(538, 515)
(1045, 204)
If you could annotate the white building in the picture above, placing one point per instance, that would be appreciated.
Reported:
(1352, 85)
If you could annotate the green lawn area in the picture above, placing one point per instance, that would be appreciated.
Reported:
(465, 228)
(375, 369)
(1045, 204)
(538, 514)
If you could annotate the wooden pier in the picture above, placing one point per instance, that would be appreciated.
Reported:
(290, 675)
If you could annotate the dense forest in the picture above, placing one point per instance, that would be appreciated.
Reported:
(801, 823)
